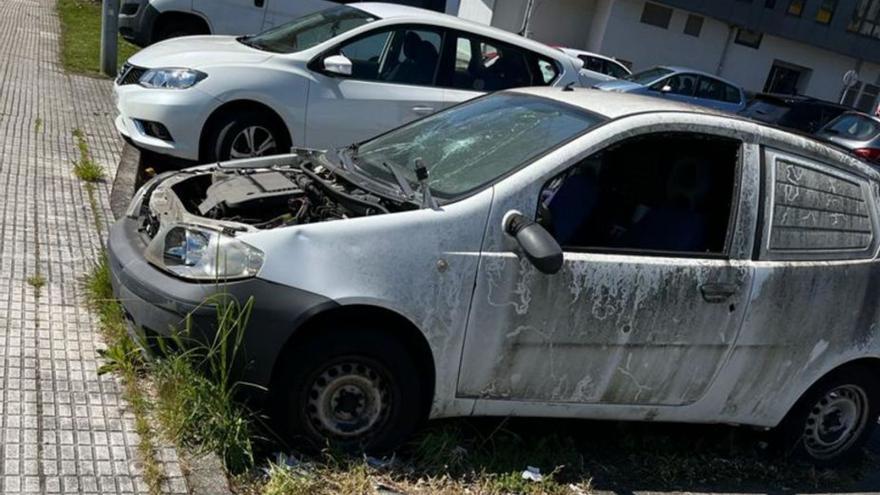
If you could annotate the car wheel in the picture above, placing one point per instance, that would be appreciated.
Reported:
(246, 135)
(352, 390)
(834, 419)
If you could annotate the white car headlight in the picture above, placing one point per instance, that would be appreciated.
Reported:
(202, 254)
(171, 78)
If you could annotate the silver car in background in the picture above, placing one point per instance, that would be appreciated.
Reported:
(684, 85)
(858, 132)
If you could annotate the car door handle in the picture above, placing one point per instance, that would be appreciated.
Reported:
(259, 3)
(718, 292)
(423, 110)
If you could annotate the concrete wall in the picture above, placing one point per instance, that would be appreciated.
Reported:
(750, 67)
(555, 22)
(644, 45)
(474, 10)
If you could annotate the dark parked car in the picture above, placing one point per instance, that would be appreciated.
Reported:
(799, 113)
(857, 132)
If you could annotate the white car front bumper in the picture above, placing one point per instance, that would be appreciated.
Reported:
(182, 112)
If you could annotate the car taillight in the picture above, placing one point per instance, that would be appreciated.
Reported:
(870, 154)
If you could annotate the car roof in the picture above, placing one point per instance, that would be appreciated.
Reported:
(678, 68)
(398, 13)
(575, 51)
(613, 105)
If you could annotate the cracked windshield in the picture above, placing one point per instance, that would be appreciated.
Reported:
(476, 143)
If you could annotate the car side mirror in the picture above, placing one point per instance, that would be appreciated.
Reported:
(539, 246)
(338, 64)
(666, 89)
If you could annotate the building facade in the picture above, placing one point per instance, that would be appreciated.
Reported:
(783, 46)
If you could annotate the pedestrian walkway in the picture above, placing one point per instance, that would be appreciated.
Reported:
(63, 429)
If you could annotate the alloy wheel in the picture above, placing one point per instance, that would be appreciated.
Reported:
(251, 142)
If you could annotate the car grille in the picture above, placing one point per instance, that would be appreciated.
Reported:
(130, 74)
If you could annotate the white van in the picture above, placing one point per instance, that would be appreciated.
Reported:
(144, 22)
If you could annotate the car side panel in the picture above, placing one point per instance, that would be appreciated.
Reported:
(420, 264)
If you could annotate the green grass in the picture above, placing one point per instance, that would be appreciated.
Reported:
(197, 388)
(81, 37)
(124, 358)
(85, 167)
(37, 281)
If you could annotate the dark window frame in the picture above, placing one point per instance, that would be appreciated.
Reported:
(739, 40)
(861, 19)
(532, 58)
(733, 214)
(316, 65)
(663, 15)
(693, 26)
(796, 8)
(829, 7)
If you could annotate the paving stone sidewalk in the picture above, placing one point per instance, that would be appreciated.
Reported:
(63, 429)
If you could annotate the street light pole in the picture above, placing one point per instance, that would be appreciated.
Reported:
(109, 28)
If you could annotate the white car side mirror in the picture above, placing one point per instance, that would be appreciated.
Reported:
(338, 64)
(666, 89)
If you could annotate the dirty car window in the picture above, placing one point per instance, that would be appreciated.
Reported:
(474, 144)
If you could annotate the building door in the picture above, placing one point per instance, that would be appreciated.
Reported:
(786, 79)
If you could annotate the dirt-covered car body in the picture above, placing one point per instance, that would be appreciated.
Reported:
(647, 322)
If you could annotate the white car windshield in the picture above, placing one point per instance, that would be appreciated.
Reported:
(476, 143)
(308, 31)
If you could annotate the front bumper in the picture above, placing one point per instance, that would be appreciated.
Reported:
(182, 111)
(136, 19)
(156, 302)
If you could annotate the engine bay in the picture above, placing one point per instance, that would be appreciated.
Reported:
(266, 198)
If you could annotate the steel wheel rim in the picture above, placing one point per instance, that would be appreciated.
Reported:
(348, 400)
(836, 421)
(252, 141)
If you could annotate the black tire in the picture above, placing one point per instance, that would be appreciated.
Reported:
(817, 429)
(340, 369)
(226, 133)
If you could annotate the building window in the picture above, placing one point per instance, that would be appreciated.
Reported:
(826, 11)
(751, 39)
(694, 25)
(656, 15)
(785, 78)
(770, 4)
(796, 7)
(866, 18)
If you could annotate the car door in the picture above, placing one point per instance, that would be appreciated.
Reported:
(679, 87)
(393, 81)
(282, 11)
(483, 65)
(644, 310)
(717, 94)
(233, 16)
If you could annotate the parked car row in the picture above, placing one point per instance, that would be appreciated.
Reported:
(548, 251)
(327, 79)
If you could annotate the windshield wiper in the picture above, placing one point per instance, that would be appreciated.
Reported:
(422, 176)
(401, 181)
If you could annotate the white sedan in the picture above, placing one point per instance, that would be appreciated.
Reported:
(327, 79)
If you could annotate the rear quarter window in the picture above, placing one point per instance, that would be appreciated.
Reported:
(817, 212)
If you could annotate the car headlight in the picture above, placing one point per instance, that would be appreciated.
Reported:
(203, 254)
(170, 78)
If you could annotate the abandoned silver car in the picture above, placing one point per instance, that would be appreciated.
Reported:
(537, 252)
